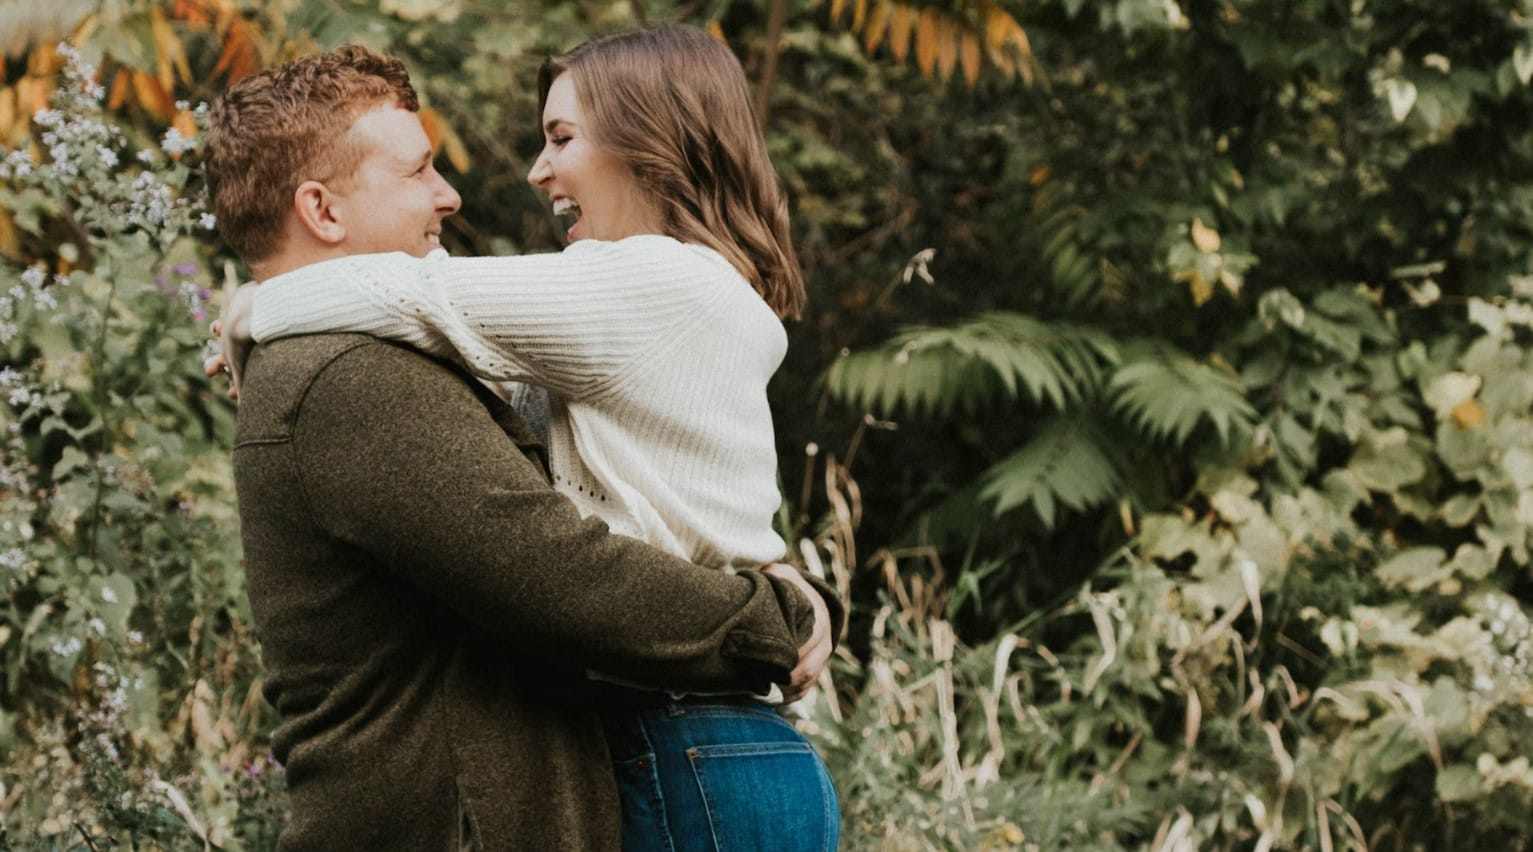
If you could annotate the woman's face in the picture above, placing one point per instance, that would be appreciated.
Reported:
(584, 180)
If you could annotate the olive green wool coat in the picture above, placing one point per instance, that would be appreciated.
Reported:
(426, 605)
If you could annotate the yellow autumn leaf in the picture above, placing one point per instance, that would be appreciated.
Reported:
(153, 97)
(926, 41)
(969, 55)
(7, 114)
(947, 47)
(1202, 289)
(444, 138)
(878, 22)
(1469, 413)
(32, 95)
(119, 93)
(717, 31)
(900, 21)
(10, 246)
(1205, 238)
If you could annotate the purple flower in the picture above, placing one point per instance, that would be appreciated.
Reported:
(184, 268)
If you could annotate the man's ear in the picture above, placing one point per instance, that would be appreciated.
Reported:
(314, 205)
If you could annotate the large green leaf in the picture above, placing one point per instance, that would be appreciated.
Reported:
(996, 356)
(1165, 392)
(1067, 464)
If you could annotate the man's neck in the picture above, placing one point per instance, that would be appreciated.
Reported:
(286, 261)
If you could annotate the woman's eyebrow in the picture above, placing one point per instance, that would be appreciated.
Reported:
(548, 126)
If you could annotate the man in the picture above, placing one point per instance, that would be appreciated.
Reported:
(426, 602)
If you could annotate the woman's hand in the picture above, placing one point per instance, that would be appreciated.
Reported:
(232, 328)
(815, 653)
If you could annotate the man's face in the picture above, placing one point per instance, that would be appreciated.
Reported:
(395, 201)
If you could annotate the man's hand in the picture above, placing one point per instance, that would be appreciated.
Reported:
(232, 328)
(815, 653)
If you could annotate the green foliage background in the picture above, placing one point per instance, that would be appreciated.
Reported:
(1168, 420)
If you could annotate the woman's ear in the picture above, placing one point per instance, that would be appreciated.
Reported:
(314, 205)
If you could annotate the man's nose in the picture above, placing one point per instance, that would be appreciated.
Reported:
(447, 199)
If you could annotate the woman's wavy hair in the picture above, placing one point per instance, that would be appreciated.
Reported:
(673, 105)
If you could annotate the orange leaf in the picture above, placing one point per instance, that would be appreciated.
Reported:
(7, 115)
(186, 124)
(878, 23)
(32, 96)
(900, 22)
(152, 97)
(926, 41)
(970, 56)
(44, 61)
(119, 95)
(837, 9)
(717, 31)
(859, 14)
(947, 47)
(10, 245)
(240, 57)
(444, 138)
(191, 11)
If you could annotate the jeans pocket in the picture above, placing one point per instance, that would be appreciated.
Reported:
(767, 796)
(645, 828)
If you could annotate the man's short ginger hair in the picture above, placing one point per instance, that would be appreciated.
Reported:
(278, 128)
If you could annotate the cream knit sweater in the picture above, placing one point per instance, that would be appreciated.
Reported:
(658, 354)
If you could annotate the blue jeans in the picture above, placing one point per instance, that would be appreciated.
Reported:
(718, 774)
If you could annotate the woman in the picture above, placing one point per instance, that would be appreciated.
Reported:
(656, 330)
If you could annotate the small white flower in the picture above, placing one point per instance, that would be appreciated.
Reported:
(209, 221)
(21, 396)
(107, 155)
(33, 277)
(9, 376)
(108, 594)
(145, 156)
(175, 143)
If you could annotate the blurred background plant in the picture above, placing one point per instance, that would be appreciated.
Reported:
(1163, 406)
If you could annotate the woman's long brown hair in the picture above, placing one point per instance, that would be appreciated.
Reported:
(674, 106)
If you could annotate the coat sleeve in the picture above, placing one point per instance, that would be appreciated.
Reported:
(400, 459)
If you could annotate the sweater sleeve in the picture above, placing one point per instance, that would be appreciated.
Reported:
(573, 321)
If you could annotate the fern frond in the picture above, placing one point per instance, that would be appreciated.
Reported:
(1167, 393)
(994, 356)
(1067, 464)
